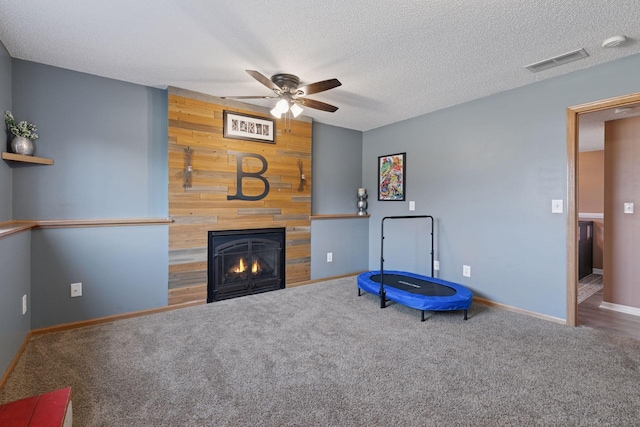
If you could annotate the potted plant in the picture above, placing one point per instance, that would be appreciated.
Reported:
(24, 134)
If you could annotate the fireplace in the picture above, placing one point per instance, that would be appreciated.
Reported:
(245, 262)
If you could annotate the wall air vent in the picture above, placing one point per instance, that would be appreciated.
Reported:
(565, 58)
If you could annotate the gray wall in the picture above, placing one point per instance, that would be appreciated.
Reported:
(488, 170)
(337, 169)
(14, 250)
(5, 104)
(346, 239)
(337, 174)
(122, 269)
(108, 140)
(14, 283)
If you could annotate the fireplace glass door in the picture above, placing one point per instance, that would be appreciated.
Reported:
(245, 262)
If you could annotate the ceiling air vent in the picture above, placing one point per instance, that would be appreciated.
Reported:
(565, 58)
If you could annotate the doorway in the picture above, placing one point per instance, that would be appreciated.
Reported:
(573, 115)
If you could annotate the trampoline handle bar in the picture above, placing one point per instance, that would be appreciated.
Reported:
(382, 293)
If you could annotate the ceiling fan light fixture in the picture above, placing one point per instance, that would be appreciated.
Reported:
(282, 106)
(286, 88)
(275, 113)
(296, 110)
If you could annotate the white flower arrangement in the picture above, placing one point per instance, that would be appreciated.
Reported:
(27, 130)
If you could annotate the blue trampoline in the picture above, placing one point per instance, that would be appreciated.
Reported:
(414, 290)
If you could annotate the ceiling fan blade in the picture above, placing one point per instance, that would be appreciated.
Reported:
(311, 103)
(247, 97)
(319, 87)
(264, 80)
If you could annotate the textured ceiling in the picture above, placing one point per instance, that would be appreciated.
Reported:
(395, 59)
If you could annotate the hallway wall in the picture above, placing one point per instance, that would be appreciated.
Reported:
(622, 185)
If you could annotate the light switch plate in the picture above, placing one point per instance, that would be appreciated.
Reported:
(556, 206)
(76, 290)
(412, 205)
(628, 208)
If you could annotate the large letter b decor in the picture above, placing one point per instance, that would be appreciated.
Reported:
(249, 175)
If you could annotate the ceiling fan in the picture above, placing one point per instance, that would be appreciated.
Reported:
(292, 95)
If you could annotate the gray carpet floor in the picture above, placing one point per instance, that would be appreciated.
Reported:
(319, 355)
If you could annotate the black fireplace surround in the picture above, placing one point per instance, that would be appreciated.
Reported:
(245, 262)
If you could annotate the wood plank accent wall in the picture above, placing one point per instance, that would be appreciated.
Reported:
(195, 121)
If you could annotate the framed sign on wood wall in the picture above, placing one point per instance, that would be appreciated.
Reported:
(248, 127)
(391, 177)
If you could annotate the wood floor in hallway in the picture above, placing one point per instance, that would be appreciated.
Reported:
(590, 314)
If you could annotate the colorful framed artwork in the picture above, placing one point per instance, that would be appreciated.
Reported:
(391, 177)
(248, 127)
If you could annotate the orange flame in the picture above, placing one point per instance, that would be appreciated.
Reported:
(240, 267)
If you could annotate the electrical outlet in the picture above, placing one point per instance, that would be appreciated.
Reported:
(436, 265)
(329, 256)
(76, 290)
(24, 304)
(466, 271)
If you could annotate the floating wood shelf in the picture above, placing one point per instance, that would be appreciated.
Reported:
(12, 227)
(26, 159)
(115, 222)
(337, 216)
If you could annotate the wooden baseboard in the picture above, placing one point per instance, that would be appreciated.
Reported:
(14, 362)
(519, 310)
(107, 319)
(324, 279)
